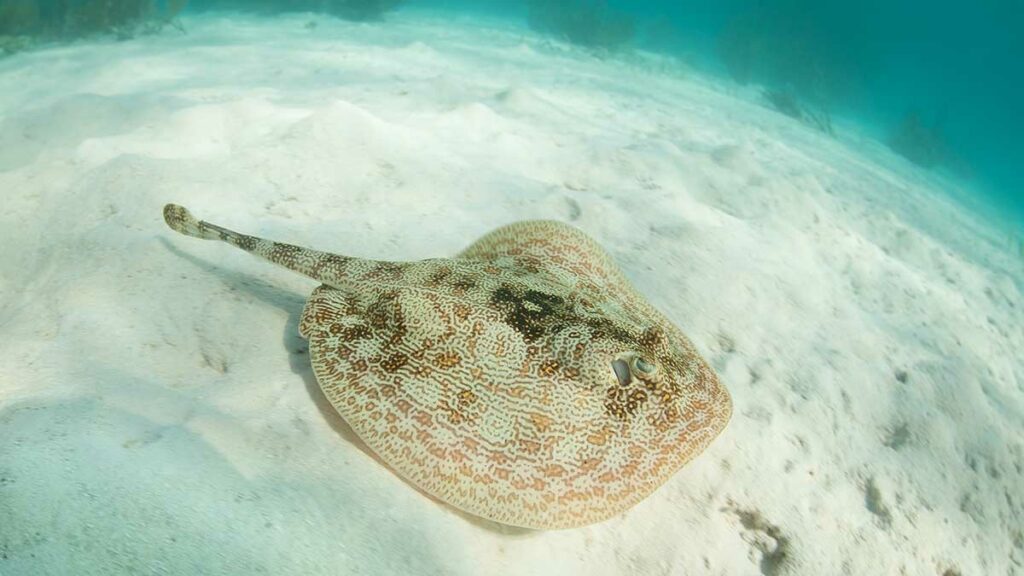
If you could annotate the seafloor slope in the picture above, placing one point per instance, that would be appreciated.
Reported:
(158, 414)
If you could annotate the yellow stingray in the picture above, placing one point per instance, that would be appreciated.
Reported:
(524, 381)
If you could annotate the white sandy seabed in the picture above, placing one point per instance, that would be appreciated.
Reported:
(158, 414)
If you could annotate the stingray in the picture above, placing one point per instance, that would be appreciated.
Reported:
(524, 381)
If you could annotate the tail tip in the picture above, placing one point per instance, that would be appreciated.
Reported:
(179, 219)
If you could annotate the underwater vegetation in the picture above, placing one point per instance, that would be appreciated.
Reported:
(802, 70)
(808, 59)
(17, 20)
(124, 18)
(26, 22)
(18, 17)
(780, 51)
(920, 142)
(786, 102)
(588, 23)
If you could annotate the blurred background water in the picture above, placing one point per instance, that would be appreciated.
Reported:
(941, 83)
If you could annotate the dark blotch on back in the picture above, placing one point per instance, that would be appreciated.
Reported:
(530, 312)
(603, 328)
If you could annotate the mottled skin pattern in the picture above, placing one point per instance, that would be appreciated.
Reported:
(525, 380)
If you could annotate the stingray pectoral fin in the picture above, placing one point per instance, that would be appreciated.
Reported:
(330, 269)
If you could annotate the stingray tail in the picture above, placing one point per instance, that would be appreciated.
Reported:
(181, 220)
(330, 269)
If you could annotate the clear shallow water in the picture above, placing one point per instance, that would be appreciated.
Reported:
(943, 79)
(954, 66)
(157, 410)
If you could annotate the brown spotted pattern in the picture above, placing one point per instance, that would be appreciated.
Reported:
(488, 380)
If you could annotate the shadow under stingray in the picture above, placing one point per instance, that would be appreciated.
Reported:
(298, 360)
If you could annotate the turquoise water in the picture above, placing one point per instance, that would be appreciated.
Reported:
(943, 78)
(955, 66)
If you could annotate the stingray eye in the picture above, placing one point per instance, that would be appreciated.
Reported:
(643, 367)
(621, 372)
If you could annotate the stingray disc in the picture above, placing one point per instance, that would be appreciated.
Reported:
(525, 381)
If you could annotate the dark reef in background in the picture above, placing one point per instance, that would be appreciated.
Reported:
(25, 21)
(786, 102)
(359, 10)
(811, 60)
(589, 23)
(921, 143)
(874, 60)
(791, 45)
(801, 59)
(925, 143)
